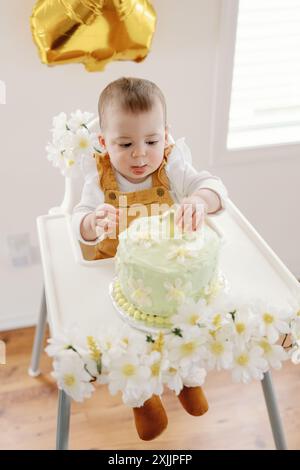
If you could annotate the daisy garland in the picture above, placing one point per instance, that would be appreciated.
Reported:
(242, 337)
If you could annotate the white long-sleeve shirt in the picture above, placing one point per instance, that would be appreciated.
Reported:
(183, 178)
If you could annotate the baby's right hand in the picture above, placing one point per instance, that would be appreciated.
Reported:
(105, 220)
(102, 222)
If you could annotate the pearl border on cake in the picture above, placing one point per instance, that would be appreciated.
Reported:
(134, 313)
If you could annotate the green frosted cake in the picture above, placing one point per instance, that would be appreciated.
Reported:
(159, 267)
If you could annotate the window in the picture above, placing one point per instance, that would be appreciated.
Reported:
(265, 93)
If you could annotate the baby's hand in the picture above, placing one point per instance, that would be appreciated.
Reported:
(100, 223)
(105, 220)
(190, 214)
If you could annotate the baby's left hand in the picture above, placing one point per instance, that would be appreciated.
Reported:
(190, 214)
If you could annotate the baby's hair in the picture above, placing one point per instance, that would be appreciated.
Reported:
(131, 94)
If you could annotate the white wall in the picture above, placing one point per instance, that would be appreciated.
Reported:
(182, 63)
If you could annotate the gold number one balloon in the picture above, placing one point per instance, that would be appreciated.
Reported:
(93, 32)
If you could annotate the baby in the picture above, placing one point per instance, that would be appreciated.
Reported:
(140, 167)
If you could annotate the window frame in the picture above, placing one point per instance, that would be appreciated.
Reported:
(224, 63)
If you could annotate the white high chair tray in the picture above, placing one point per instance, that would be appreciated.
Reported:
(78, 293)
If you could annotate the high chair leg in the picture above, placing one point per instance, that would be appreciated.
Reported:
(63, 421)
(193, 400)
(150, 419)
(38, 338)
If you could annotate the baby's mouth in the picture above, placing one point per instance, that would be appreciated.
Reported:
(139, 166)
(139, 170)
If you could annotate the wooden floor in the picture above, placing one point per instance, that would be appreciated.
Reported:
(237, 418)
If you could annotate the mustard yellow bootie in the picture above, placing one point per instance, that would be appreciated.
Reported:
(150, 419)
(193, 400)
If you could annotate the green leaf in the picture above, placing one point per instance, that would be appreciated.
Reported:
(150, 339)
(99, 366)
(177, 332)
(233, 314)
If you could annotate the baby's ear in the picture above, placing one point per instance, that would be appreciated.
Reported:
(101, 141)
(166, 136)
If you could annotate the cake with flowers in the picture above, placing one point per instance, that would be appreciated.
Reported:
(159, 267)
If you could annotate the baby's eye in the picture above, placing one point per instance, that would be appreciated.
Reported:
(125, 145)
(152, 142)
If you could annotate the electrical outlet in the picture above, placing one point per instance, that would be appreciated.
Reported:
(21, 253)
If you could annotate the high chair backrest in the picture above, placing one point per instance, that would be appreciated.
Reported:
(73, 186)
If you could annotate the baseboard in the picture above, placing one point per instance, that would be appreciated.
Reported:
(14, 322)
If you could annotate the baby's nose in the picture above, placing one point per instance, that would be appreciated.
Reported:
(139, 152)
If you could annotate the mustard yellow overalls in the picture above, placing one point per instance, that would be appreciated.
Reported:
(158, 194)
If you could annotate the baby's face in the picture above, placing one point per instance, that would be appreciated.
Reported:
(135, 141)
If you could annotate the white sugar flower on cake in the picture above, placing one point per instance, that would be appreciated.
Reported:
(139, 293)
(143, 238)
(181, 254)
(177, 290)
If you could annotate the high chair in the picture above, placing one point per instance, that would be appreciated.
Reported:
(71, 285)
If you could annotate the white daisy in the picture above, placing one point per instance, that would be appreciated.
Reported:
(295, 327)
(190, 313)
(71, 376)
(273, 353)
(195, 376)
(65, 341)
(128, 373)
(83, 143)
(177, 290)
(217, 312)
(248, 363)
(218, 351)
(139, 293)
(185, 346)
(59, 128)
(271, 320)
(173, 379)
(114, 343)
(244, 323)
(295, 353)
(79, 119)
(143, 238)
(176, 377)
(158, 365)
